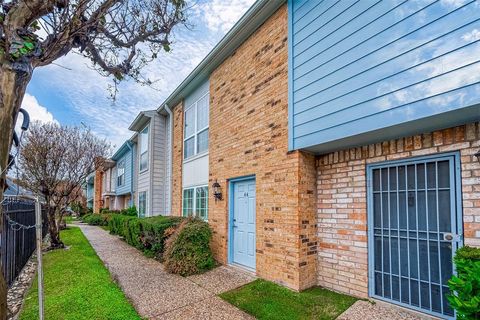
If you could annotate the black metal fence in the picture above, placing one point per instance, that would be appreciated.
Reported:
(17, 236)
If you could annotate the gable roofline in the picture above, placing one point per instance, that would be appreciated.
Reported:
(141, 119)
(258, 13)
(126, 146)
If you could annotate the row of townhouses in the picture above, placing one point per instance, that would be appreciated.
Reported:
(330, 143)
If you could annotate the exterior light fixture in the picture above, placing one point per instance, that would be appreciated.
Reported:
(477, 155)
(217, 191)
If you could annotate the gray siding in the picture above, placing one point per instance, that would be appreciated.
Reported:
(159, 165)
(364, 67)
(154, 180)
(143, 180)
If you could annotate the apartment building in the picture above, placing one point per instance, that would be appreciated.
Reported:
(330, 143)
(151, 165)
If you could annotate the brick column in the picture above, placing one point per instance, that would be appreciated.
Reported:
(97, 191)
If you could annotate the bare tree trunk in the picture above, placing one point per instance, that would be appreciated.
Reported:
(53, 230)
(14, 78)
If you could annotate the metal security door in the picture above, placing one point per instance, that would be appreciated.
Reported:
(413, 231)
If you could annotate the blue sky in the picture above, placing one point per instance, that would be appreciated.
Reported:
(80, 95)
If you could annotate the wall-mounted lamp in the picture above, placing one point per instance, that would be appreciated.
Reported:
(477, 155)
(217, 191)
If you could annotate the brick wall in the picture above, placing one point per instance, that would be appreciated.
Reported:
(248, 136)
(97, 189)
(177, 160)
(342, 200)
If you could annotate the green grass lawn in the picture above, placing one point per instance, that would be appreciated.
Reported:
(267, 300)
(77, 285)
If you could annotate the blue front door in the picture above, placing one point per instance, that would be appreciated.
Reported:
(243, 223)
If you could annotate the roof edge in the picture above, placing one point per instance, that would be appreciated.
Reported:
(256, 15)
(140, 120)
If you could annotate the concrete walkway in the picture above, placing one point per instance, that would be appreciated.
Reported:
(363, 310)
(157, 294)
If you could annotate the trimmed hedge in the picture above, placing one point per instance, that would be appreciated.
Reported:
(96, 219)
(188, 250)
(465, 286)
(146, 234)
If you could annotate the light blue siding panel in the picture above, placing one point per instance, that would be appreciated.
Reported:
(303, 7)
(404, 69)
(415, 83)
(348, 38)
(449, 101)
(357, 67)
(127, 186)
(328, 19)
(400, 38)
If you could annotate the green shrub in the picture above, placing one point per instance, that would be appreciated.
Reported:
(146, 234)
(117, 223)
(465, 286)
(85, 217)
(188, 251)
(154, 232)
(96, 219)
(132, 211)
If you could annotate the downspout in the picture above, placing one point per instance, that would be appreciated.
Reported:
(151, 136)
(170, 158)
(130, 146)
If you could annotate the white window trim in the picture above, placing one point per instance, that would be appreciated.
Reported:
(118, 176)
(196, 132)
(194, 208)
(147, 151)
(146, 203)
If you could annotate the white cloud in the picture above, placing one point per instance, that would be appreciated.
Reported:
(221, 15)
(36, 111)
(471, 36)
(85, 91)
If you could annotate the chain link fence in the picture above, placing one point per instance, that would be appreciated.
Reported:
(17, 235)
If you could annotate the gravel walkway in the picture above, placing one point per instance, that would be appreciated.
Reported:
(157, 294)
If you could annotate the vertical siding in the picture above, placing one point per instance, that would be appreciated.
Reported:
(134, 173)
(361, 66)
(127, 186)
(143, 181)
(158, 174)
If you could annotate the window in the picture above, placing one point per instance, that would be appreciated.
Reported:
(195, 202)
(144, 149)
(196, 127)
(142, 203)
(121, 173)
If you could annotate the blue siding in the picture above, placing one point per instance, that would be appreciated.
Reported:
(89, 191)
(358, 67)
(125, 153)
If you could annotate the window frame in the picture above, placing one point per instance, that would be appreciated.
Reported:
(121, 177)
(196, 131)
(146, 203)
(194, 199)
(140, 169)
